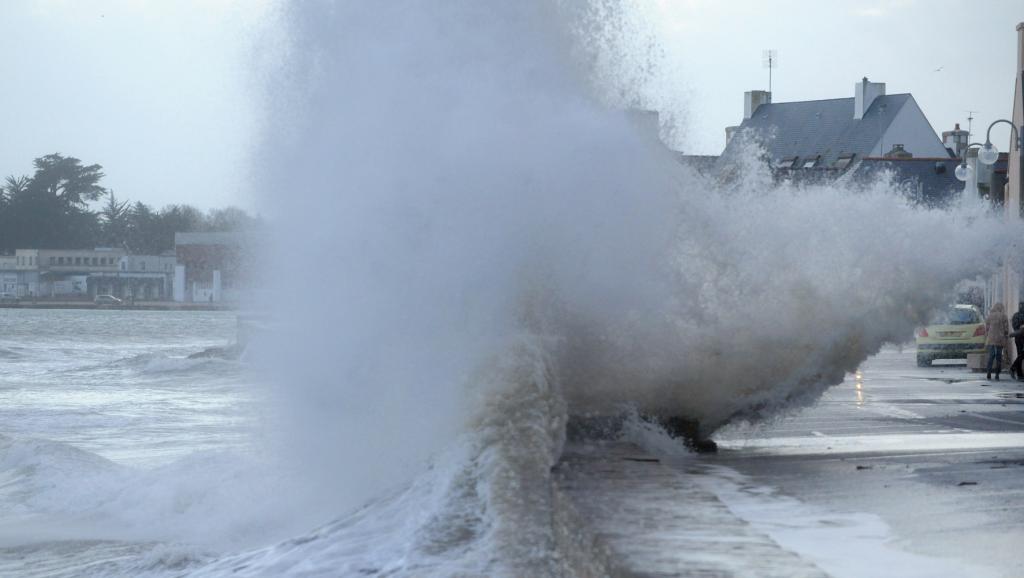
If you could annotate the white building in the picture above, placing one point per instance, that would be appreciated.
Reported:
(85, 273)
(61, 272)
(137, 277)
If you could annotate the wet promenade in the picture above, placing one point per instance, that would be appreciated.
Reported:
(899, 471)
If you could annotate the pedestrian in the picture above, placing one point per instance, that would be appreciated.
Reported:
(997, 327)
(1018, 339)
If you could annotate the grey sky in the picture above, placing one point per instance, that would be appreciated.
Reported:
(825, 47)
(161, 93)
(155, 91)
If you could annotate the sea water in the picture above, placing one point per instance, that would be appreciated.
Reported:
(113, 441)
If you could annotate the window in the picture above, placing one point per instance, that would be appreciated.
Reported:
(957, 316)
(19, 261)
(53, 260)
(142, 265)
(786, 163)
(78, 260)
(124, 265)
(60, 260)
(843, 161)
(95, 261)
(809, 163)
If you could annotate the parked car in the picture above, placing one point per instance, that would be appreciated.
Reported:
(107, 300)
(956, 333)
(8, 298)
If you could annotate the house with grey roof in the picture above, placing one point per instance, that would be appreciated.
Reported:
(833, 134)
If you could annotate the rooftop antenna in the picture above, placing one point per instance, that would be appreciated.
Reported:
(770, 60)
(970, 119)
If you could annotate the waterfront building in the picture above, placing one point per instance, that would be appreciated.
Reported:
(84, 273)
(211, 267)
(137, 278)
(61, 272)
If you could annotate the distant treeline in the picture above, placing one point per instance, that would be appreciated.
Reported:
(50, 210)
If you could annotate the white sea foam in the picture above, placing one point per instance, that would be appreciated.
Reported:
(54, 491)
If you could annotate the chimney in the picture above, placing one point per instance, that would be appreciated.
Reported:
(729, 132)
(753, 99)
(898, 152)
(955, 140)
(864, 94)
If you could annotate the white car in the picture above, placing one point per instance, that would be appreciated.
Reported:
(107, 300)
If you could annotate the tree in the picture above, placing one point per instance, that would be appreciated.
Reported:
(140, 235)
(31, 219)
(66, 179)
(230, 219)
(15, 185)
(49, 209)
(114, 220)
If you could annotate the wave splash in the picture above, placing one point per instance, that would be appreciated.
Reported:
(458, 180)
(487, 505)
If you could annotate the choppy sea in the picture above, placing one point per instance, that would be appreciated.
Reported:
(114, 444)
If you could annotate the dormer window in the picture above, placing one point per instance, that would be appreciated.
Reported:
(843, 161)
(786, 163)
(809, 163)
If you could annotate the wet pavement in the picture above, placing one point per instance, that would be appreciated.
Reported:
(935, 453)
(650, 520)
(899, 471)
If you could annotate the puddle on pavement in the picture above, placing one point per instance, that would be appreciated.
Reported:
(979, 399)
(947, 379)
(907, 443)
(1001, 464)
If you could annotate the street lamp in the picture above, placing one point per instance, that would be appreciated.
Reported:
(965, 172)
(989, 154)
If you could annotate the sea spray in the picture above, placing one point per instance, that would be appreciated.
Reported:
(444, 179)
(448, 165)
(781, 290)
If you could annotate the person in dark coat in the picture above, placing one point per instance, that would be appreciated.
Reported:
(1018, 339)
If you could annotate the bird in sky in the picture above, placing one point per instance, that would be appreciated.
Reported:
(939, 69)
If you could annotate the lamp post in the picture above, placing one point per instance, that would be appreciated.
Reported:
(988, 153)
(965, 172)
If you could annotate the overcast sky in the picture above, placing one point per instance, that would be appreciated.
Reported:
(160, 92)
(953, 56)
(156, 91)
